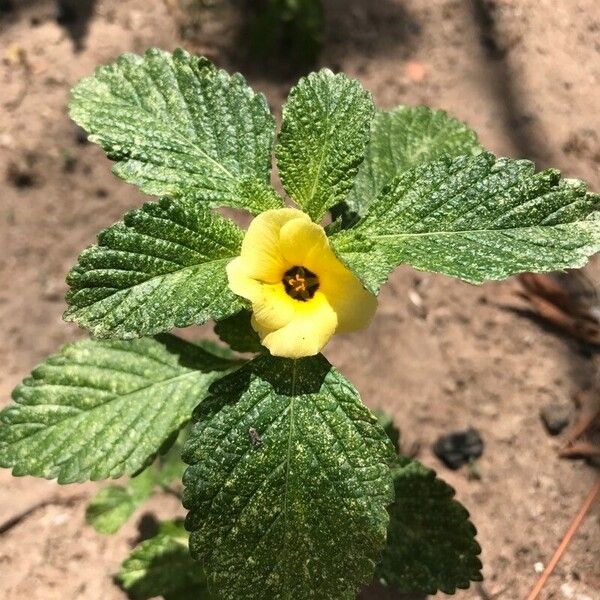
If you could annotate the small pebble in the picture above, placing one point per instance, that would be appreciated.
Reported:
(556, 416)
(567, 591)
(538, 567)
(21, 174)
(416, 305)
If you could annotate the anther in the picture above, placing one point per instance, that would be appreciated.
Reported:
(300, 283)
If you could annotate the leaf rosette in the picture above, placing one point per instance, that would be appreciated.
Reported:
(412, 184)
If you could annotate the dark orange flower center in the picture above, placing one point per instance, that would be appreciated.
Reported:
(300, 283)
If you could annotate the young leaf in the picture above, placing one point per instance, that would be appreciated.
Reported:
(475, 218)
(162, 566)
(431, 542)
(104, 408)
(323, 137)
(288, 485)
(237, 332)
(112, 506)
(177, 125)
(401, 139)
(169, 467)
(163, 266)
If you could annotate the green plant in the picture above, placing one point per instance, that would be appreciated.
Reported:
(294, 488)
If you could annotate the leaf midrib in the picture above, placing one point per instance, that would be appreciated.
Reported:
(169, 123)
(460, 231)
(320, 163)
(114, 398)
(169, 126)
(285, 553)
(175, 272)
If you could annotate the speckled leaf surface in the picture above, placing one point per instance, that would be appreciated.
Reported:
(237, 332)
(475, 218)
(325, 129)
(288, 484)
(175, 124)
(162, 566)
(103, 408)
(431, 541)
(386, 422)
(401, 139)
(162, 267)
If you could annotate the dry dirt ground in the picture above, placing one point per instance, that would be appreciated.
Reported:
(525, 74)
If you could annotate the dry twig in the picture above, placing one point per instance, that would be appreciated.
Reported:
(574, 311)
(553, 303)
(16, 57)
(579, 517)
(577, 439)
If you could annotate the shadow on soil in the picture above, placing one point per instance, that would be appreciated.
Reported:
(375, 29)
(583, 360)
(376, 592)
(73, 15)
(515, 114)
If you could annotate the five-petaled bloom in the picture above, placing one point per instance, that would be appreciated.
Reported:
(301, 293)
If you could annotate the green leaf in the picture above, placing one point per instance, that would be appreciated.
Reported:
(401, 139)
(386, 422)
(177, 125)
(323, 137)
(170, 467)
(288, 485)
(104, 408)
(163, 266)
(162, 566)
(237, 332)
(112, 506)
(431, 541)
(476, 218)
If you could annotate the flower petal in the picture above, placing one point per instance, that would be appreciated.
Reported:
(354, 305)
(261, 250)
(273, 308)
(306, 244)
(240, 282)
(276, 241)
(301, 238)
(305, 335)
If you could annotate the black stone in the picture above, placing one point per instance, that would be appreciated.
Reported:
(457, 448)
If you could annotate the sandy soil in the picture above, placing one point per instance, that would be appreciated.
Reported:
(525, 75)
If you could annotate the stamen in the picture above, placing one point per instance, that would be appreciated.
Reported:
(300, 283)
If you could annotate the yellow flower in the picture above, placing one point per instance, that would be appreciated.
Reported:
(301, 293)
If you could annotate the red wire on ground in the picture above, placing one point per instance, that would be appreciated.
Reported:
(535, 592)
